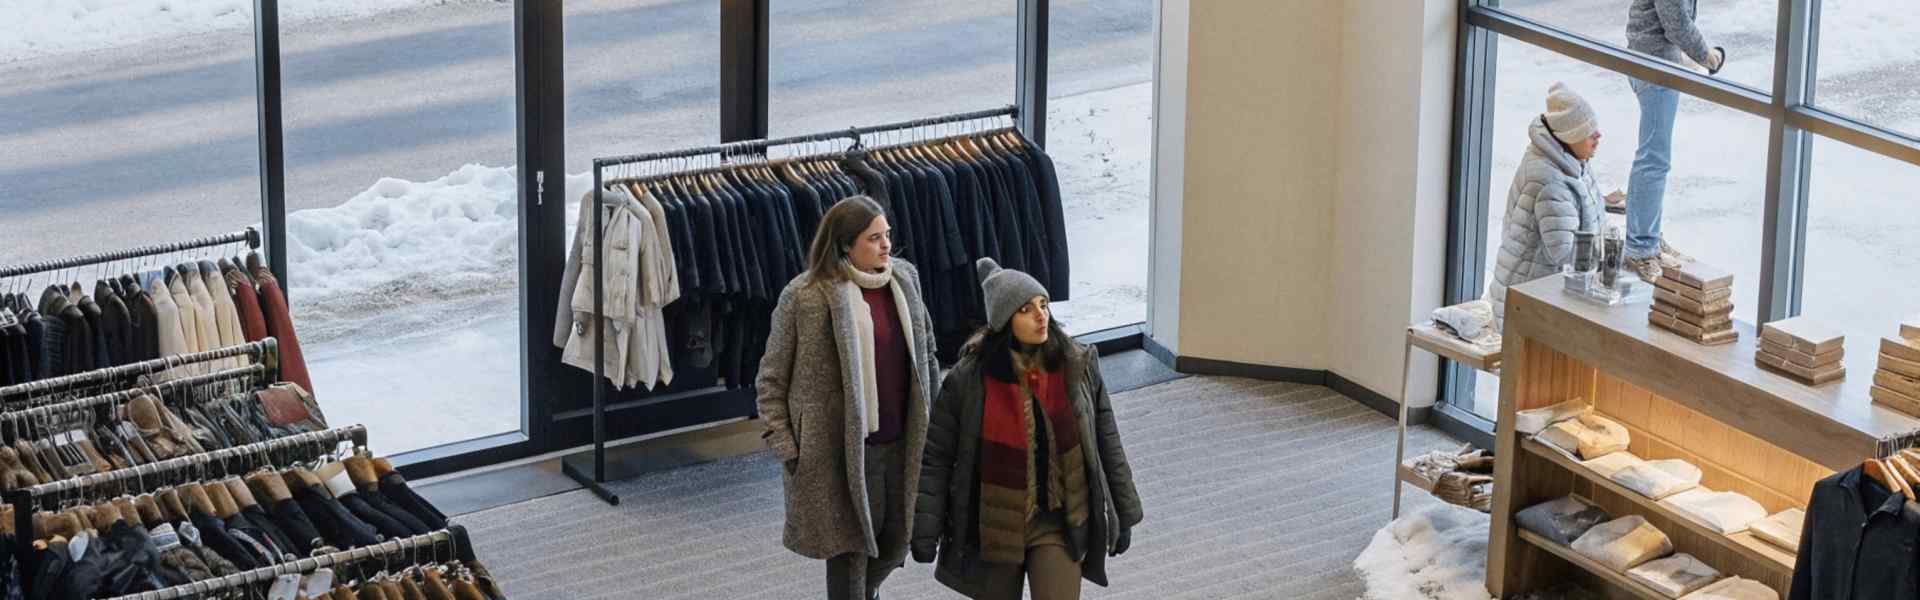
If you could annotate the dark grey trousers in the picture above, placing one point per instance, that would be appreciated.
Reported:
(854, 576)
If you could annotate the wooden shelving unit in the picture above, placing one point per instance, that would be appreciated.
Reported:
(1619, 580)
(1749, 430)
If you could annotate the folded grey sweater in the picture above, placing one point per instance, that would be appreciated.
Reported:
(1623, 543)
(1562, 520)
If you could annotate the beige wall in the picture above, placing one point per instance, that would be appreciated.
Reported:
(1310, 151)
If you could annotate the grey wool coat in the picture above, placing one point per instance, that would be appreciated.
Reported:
(810, 400)
(948, 520)
(1553, 196)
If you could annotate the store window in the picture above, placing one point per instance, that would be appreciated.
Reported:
(1744, 28)
(617, 105)
(1712, 208)
(839, 65)
(1099, 133)
(403, 219)
(1869, 62)
(1860, 251)
(122, 128)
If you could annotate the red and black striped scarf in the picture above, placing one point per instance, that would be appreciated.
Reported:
(1007, 458)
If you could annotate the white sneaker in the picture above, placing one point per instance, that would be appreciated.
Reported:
(1647, 268)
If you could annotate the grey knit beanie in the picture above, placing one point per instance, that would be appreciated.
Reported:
(1005, 291)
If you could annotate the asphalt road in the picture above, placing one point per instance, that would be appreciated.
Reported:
(156, 142)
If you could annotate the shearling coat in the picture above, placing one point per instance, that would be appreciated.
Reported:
(1553, 196)
(948, 510)
(810, 400)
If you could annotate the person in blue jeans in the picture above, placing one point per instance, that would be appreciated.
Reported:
(1662, 28)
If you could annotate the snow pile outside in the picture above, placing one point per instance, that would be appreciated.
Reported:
(1439, 553)
(44, 27)
(404, 247)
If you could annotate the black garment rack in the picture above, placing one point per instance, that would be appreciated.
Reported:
(249, 235)
(597, 481)
(227, 461)
(454, 538)
(265, 352)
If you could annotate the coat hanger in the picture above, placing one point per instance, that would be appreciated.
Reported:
(1879, 472)
(1907, 473)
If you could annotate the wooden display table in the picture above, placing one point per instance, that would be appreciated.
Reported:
(1749, 430)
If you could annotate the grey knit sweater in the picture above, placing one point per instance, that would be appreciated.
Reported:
(1664, 28)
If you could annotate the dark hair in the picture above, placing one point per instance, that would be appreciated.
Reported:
(995, 349)
(838, 229)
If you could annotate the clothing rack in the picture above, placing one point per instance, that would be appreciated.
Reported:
(454, 538)
(246, 457)
(265, 352)
(249, 235)
(115, 398)
(597, 480)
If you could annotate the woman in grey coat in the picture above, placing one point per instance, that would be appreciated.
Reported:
(843, 390)
(1553, 196)
(1025, 480)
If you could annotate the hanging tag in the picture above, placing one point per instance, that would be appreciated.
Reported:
(7, 318)
(341, 485)
(285, 587)
(320, 583)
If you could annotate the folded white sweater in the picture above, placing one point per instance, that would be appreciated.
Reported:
(1735, 588)
(1623, 543)
(1782, 529)
(1658, 479)
(1676, 575)
(1607, 465)
(1725, 512)
(1534, 420)
(1588, 437)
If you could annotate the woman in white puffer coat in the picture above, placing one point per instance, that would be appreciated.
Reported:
(1553, 196)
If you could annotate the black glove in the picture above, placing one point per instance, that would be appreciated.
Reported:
(1120, 545)
(793, 465)
(1721, 53)
(923, 550)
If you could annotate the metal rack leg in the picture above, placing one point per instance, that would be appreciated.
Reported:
(1400, 447)
(588, 481)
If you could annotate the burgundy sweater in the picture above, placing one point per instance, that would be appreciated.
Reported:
(890, 365)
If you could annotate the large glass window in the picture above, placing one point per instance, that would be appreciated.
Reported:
(1745, 28)
(1861, 255)
(403, 220)
(1713, 202)
(1099, 133)
(1870, 62)
(839, 65)
(619, 105)
(118, 132)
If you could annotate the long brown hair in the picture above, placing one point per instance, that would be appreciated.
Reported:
(838, 229)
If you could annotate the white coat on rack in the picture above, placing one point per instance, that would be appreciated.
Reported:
(640, 280)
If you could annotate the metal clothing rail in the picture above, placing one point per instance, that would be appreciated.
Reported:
(30, 414)
(596, 482)
(264, 352)
(454, 537)
(249, 235)
(245, 457)
(854, 133)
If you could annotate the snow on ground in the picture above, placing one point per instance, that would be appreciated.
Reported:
(1439, 553)
(421, 277)
(44, 27)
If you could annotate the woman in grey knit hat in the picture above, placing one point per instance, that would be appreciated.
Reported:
(1024, 428)
(843, 390)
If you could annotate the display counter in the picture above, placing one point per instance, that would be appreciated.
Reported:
(1749, 430)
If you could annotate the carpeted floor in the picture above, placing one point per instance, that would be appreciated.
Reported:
(1252, 489)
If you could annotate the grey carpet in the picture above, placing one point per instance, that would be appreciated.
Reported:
(1252, 489)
